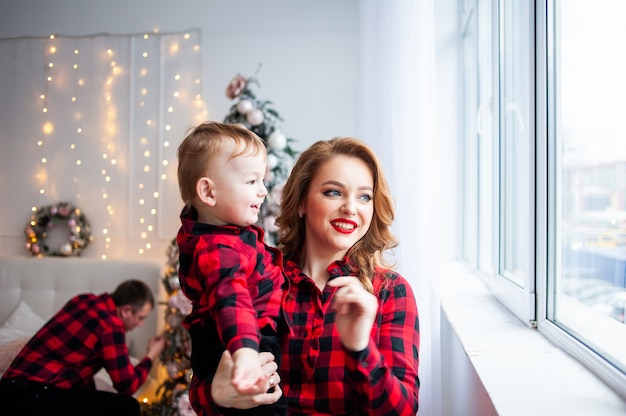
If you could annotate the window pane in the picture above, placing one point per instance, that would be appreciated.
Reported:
(516, 137)
(469, 148)
(589, 201)
(485, 128)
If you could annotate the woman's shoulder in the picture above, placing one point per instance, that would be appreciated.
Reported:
(388, 282)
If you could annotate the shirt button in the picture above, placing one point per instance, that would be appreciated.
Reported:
(306, 333)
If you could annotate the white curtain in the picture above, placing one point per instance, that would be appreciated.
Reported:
(95, 121)
(398, 118)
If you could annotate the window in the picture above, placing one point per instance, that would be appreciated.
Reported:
(544, 168)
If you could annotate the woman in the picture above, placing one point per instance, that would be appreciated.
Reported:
(353, 342)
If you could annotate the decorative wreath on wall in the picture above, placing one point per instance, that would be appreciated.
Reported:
(44, 219)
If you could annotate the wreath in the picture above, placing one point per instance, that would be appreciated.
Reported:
(43, 220)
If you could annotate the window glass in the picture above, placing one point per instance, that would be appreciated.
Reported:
(588, 199)
(469, 145)
(485, 128)
(516, 142)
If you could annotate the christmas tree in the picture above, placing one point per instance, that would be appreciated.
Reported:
(260, 117)
(173, 393)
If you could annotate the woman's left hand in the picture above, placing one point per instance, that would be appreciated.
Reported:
(355, 312)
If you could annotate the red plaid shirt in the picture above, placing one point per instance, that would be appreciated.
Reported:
(232, 277)
(320, 377)
(83, 337)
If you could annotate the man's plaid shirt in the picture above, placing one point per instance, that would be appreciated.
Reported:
(83, 337)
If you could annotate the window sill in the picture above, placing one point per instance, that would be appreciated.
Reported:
(522, 372)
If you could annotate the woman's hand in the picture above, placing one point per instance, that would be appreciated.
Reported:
(355, 312)
(224, 393)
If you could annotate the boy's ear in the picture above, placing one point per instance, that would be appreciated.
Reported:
(204, 190)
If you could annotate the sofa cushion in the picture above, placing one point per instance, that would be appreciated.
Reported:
(22, 323)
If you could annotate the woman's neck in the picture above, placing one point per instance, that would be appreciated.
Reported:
(314, 263)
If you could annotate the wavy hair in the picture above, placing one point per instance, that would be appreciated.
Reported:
(368, 252)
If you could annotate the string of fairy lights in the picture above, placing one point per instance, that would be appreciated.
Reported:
(156, 78)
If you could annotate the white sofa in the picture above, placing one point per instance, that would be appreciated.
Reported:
(46, 284)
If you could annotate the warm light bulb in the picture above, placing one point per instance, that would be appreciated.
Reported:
(48, 127)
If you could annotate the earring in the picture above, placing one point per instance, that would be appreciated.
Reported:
(300, 214)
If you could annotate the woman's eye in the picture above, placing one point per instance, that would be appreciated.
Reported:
(366, 198)
(332, 192)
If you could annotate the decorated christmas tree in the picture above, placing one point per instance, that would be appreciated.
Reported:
(260, 117)
(173, 393)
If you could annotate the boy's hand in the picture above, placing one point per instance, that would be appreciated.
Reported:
(247, 377)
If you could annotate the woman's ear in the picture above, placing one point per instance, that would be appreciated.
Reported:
(204, 190)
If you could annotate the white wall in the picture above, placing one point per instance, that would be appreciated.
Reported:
(308, 52)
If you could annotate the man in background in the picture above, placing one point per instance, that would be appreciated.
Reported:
(53, 374)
